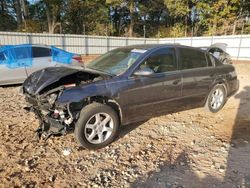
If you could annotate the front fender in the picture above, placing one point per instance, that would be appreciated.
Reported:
(77, 94)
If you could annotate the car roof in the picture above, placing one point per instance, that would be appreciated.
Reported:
(153, 46)
(157, 46)
(33, 45)
(40, 45)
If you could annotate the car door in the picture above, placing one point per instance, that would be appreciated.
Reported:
(41, 59)
(147, 96)
(198, 75)
(10, 75)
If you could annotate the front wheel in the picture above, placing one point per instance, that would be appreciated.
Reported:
(97, 126)
(216, 99)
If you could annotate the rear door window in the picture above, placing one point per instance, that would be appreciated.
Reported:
(191, 58)
(161, 61)
(41, 52)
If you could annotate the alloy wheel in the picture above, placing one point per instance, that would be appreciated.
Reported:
(217, 98)
(99, 128)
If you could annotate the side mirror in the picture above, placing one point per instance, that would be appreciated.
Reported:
(144, 72)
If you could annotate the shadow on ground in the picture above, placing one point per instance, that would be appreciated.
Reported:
(237, 172)
(126, 129)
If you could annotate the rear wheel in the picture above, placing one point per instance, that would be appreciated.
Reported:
(216, 99)
(97, 126)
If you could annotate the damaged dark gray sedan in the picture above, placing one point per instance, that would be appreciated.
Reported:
(126, 85)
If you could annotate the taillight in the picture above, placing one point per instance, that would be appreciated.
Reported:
(78, 59)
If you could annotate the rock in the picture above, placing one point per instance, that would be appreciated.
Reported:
(182, 163)
(66, 151)
(52, 178)
(157, 170)
(26, 169)
(222, 168)
(245, 142)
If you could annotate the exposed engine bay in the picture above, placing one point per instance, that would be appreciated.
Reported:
(42, 90)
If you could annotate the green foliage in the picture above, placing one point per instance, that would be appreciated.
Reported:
(89, 15)
(177, 31)
(152, 18)
(30, 26)
(7, 22)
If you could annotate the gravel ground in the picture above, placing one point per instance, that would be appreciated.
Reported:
(188, 149)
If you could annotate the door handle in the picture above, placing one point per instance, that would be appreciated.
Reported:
(176, 82)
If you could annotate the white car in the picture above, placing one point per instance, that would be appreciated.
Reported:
(218, 50)
(30, 59)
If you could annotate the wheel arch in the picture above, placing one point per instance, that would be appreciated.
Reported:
(218, 82)
(108, 101)
(223, 83)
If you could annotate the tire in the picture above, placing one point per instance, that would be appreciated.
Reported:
(216, 99)
(97, 126)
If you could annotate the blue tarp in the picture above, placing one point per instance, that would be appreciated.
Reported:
(18, 55)
(61, 56)
(21, 55)
(3, 54)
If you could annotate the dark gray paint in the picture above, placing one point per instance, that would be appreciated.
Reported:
(142, 97)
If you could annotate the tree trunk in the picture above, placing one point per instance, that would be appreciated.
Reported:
(18, 11)
(50, 25)
(234, 27)
(131, 26)
(51, 19)
(25, 9)
(3, 6)
(186, 22)
(214, 28)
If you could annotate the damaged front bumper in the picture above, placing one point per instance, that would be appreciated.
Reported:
(57, 121)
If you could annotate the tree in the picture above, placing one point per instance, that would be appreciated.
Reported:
(161, 18)
(53, 12)
(7, 22)
(131, 6)
(18, 11)
(216, 16)
(80, 16)
(153, 15)
(180, 11)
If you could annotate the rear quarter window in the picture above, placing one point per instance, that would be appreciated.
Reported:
(41, 52)
(191, 58)
(216, 61)
(210, 61)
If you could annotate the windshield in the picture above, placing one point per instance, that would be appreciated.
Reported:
(116, 61)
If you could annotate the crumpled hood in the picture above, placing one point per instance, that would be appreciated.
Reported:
(39, 80)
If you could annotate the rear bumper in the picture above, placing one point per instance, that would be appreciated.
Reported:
(234, 87)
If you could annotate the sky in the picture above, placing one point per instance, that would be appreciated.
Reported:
(32, 1)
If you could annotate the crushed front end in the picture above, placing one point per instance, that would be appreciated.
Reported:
(42, 90)
(54, 119)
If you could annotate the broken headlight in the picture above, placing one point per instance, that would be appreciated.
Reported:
(52, 98)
